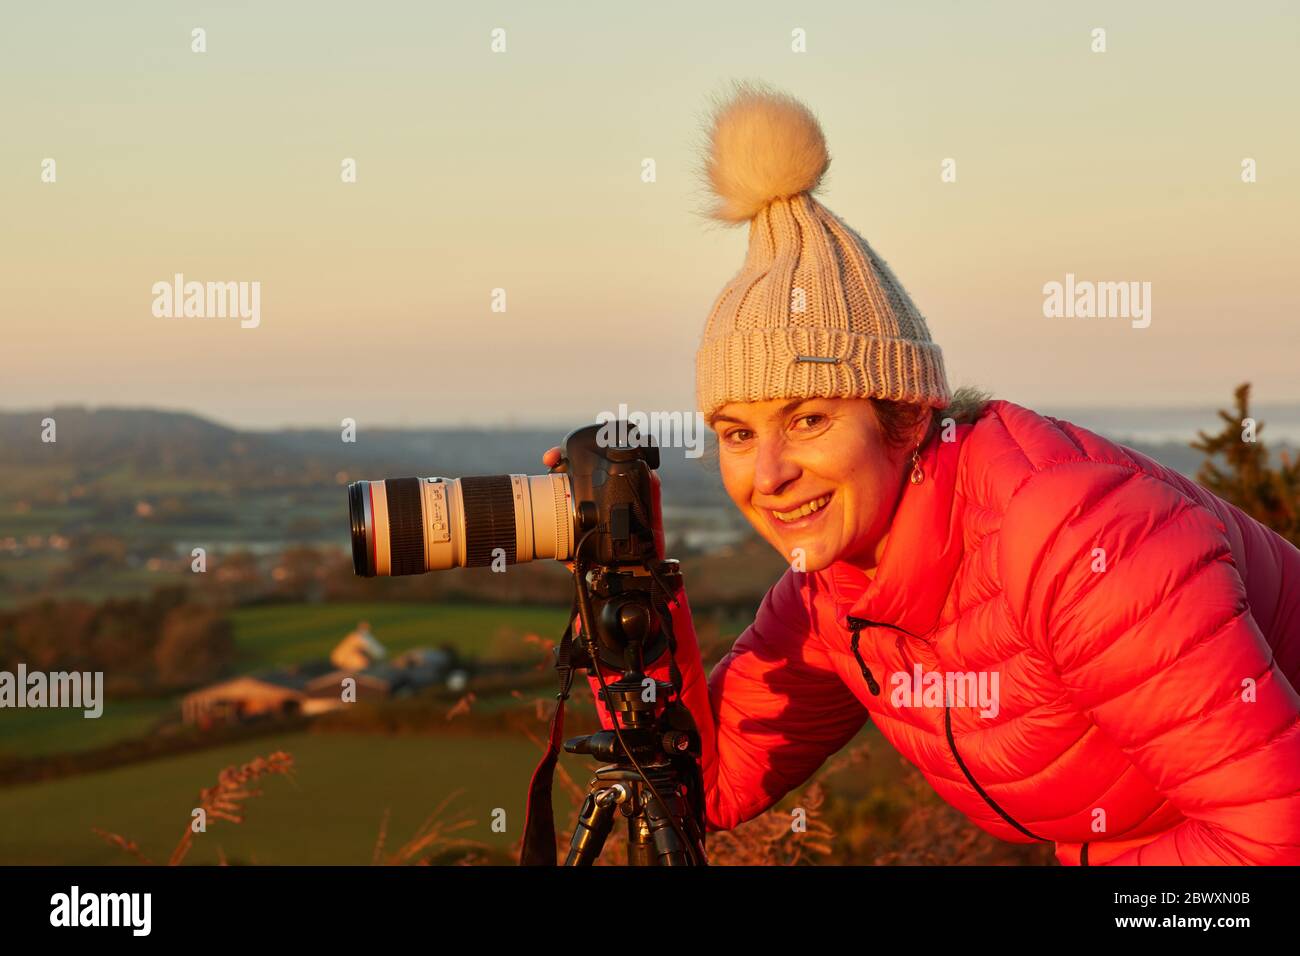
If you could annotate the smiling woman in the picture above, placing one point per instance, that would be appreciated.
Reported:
(815, 477)
(1137, 632)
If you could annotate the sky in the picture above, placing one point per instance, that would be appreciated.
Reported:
(521, 170)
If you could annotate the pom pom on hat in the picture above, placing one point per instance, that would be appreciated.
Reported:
(763, 146)
(855, 332)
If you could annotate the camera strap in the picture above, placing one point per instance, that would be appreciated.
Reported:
(677, 711)
(539, 819)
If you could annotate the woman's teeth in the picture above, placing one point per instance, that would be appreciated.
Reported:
(803, 510)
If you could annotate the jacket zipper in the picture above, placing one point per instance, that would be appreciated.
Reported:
(952, 745)
(856, 624)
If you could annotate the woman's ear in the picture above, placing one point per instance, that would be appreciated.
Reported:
(923, 427)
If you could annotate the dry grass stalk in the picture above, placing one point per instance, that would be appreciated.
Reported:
(383, 836)
(222, 802)
(545, 647)
(225, 800)
(461, 706)
(848, 757)
(771, 840)
(122, 843)
(434, 839)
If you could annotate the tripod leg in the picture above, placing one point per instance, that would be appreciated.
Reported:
(595, 820)
(641, 849)
(667, 843)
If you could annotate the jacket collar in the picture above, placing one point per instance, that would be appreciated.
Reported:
(921, 554)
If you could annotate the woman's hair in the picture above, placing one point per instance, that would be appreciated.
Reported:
(899, 420)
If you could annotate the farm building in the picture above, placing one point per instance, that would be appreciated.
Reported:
(318, 686)
(264, 694)
(358, 650)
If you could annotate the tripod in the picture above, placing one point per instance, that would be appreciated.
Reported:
(622, 593)
(653, 778)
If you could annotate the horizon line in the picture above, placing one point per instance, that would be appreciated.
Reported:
(506, 424)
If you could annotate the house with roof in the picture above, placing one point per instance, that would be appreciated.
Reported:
(314, 687)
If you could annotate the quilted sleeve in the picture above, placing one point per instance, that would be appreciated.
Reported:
(771, 712)
(1130, 588)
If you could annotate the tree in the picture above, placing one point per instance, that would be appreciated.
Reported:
(195, 646)
(1270, 496)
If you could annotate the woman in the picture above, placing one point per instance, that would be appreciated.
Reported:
(1072, 643)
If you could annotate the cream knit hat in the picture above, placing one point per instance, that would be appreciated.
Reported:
(814, 312)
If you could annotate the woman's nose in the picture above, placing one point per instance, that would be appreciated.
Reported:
(773, 468)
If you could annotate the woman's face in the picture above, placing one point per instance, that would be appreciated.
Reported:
(811, 474)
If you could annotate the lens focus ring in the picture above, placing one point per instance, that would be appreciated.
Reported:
(489, 518)
(405, 526)
(563, 520)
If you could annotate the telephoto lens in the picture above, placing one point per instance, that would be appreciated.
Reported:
(413, 525)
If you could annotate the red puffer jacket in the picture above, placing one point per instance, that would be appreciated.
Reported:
(1137, 641)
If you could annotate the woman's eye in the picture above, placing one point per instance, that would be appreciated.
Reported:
(807, 422)
(738, 435)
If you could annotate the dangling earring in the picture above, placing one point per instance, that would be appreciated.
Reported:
(918, 475)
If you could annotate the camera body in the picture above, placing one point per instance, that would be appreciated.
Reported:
(612, 494)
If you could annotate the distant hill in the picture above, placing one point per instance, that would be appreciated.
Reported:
(186, 446)
(112, 437)
(166, 443)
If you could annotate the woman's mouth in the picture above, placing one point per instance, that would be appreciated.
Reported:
(801, 516)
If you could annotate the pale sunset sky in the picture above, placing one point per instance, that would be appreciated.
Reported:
(522, 170)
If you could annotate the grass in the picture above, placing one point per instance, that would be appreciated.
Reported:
(277, 635)
(348, 788)
(330, 812)
(31, 733)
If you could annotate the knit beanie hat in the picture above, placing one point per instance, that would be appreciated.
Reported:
(814, 312)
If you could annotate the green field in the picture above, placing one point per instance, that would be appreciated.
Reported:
(30, 733)
(330, 812)
(287, 634)
(333, 808)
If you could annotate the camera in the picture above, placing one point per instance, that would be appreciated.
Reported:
(595, 508)
(601, 490)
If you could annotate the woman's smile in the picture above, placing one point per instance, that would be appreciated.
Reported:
(800, 516)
